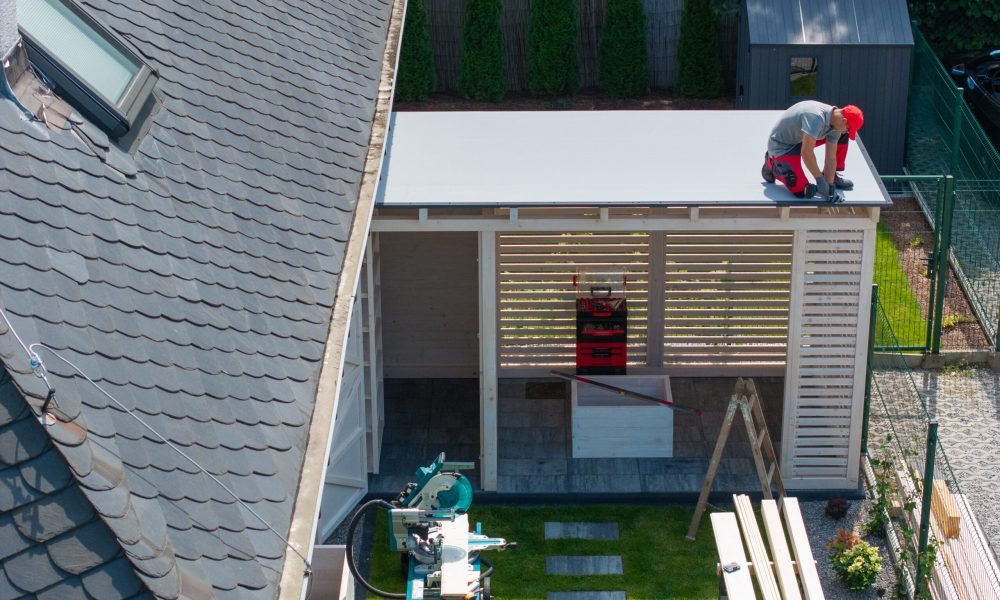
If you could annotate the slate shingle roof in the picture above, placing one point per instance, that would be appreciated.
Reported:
(196, 292)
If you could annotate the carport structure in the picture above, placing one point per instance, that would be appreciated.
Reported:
(726, 275)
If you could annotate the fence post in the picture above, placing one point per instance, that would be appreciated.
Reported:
(941, 259)
(925, 506)
(872, 332)
(956, 129)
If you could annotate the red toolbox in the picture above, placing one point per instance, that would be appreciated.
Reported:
(601, 332)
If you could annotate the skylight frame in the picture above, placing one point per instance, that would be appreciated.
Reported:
(117, 118)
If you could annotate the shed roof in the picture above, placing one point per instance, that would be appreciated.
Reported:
(863, 22)
(196, 288)
(590, 158)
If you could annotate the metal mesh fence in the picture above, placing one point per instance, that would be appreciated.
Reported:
(904, 403)
(943, 136)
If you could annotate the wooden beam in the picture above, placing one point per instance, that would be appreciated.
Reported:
(387, 223)
(735, 570)
(488, 385)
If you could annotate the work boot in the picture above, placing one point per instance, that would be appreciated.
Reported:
(842, 183)
(765, 171)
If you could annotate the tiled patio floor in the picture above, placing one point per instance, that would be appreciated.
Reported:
(425, 417)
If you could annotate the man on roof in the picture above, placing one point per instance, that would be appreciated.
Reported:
(793, 142)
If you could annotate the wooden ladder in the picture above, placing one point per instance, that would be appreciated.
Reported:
(747, 399)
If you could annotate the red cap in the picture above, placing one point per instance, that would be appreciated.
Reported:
(855, 119)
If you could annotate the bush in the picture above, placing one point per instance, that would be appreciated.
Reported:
(624, 62)
(699, 66)
(416, 78)
(482, 75)
(958, 25)
(553, 64)
(856, 561)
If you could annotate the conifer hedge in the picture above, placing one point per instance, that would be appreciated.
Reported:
(553, 63)
(699, 66)
(416, 77)
(482, 75)
(624, 68)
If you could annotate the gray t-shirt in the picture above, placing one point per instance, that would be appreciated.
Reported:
(807, 116)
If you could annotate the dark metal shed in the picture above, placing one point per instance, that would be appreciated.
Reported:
(841, 52)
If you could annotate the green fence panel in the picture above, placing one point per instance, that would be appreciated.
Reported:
(944, 137)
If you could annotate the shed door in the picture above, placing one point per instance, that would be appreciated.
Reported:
(347, 469)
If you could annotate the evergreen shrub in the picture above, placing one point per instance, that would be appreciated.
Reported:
(482, 76)
(553, 62)
(624, 58)
(699, 66)
(416, 77)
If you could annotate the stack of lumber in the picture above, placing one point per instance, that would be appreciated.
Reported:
(771, 564)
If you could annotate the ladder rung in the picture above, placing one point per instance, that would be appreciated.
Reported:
(760, 437)
(770, 472)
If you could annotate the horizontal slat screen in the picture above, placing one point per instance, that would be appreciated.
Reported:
(726, 298)
(537, 300)
(827, 348)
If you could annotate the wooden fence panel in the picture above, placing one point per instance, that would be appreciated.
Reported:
(446, 22)
(663, 29)
(663, 20)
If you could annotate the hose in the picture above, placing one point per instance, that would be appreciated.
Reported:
(350, 549)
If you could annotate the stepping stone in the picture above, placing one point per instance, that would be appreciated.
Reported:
(581, 531)
(586, 596)
(583, 565)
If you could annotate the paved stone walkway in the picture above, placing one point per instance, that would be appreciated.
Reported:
(966, 403)
(583, 565)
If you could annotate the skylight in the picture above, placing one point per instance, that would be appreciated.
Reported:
(94, 69)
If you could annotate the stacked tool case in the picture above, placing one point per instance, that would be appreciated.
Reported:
(601, 328)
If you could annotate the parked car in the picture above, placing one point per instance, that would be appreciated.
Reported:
(980, 76)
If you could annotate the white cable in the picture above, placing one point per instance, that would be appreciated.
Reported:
(3, 314)
(172, 446)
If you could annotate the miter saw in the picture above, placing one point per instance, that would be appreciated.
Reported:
(428, 522)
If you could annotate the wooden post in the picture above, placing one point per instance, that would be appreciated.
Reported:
(488, 385)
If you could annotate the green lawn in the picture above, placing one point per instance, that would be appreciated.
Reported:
(902, 309)
(658, 563)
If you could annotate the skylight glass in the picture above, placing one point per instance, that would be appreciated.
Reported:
(79, 46)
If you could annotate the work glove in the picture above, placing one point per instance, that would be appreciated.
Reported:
(826, 190)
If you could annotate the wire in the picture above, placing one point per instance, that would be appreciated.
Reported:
(3, 314)
(351, 564)
(172, 446)
(37, 367)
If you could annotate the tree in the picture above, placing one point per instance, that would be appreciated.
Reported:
(624, 61)
(482, 75)
(699, 66)
(553, 64)
(416, 77)
(958, 25)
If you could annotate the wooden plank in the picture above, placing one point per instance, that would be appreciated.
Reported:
(455, 560)
(729, 546)
(779, 550)
(488, 361)
(761, 563)
(945, 510)
(811, 586)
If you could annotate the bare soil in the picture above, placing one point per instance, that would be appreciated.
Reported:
(912, 238)
(589, 99)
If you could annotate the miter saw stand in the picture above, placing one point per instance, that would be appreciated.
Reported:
(428, 522)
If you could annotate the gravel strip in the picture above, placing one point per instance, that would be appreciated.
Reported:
(822, 529)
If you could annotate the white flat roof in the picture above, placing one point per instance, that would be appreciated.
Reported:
(592, 158)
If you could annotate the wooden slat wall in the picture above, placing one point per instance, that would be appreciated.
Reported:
(726, 298)
(824, 357)
(536, 297)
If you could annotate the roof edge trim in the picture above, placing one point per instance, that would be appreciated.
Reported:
(305, 516)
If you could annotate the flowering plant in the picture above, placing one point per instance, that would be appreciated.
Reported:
(856, 561)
